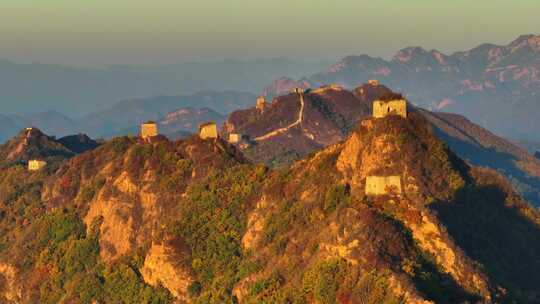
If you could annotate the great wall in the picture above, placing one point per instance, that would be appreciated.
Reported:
(374, 185)
(300, 92)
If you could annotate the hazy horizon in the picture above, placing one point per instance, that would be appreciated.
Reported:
(121, 32)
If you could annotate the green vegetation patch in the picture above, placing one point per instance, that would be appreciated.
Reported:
(212, 222)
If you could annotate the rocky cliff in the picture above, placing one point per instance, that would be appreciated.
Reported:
(193, 221)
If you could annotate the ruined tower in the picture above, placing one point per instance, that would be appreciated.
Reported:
(208, 130)
(149, 129)
(392, 107)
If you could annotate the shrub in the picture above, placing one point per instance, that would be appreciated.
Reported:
(323, 280)
(336, 196)
(373, 289)
(120, 144)
(124, 285)
(212, 222)
(269, 284)
(194, 289)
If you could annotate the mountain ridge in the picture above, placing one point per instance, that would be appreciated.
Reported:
(333, 110)
(192, 220)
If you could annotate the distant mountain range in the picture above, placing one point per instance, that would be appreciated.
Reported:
(495, 86)
(76, 91)
(181, 123)
(130, 113)
(125, 116)
(51, 122)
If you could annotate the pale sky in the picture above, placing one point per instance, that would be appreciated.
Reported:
(168, 31)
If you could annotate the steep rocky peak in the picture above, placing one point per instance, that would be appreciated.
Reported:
(355, 62)
(357, 58)
(31, 143)
(439, 57)
(405, 147)
(409, 53)
(530, 41)
(31, 132)
(412, 169)
(78, 143)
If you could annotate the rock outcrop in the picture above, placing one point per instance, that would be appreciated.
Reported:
(9, 288)
(167, 264)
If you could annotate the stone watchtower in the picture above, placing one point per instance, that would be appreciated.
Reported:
(386, 185)
(208, 130)
(392, 107)
(261, 103)
(149, 129)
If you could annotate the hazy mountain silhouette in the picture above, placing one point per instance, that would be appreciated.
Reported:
(31, 88)
(124, 117)
(495, 86)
